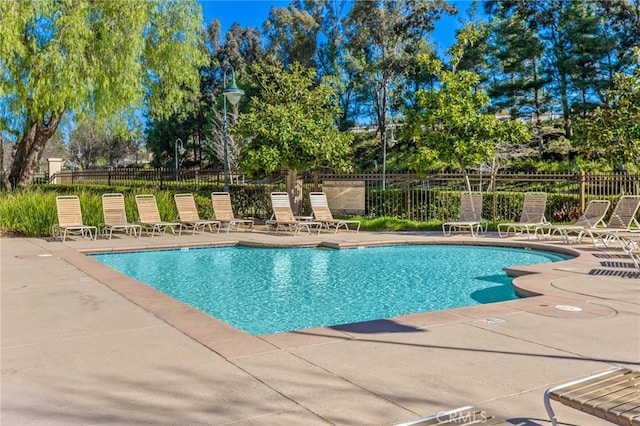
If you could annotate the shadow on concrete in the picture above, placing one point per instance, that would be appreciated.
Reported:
(615, 273)
(377, 326)
(477, 350)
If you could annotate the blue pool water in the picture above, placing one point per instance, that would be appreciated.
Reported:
(270, 290)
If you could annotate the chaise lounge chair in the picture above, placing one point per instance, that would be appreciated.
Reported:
(612, 395)
(188, 214)
(322, 213)
(70, 219)
(222, 210)
(532, 215)
(283, 217)
(623, 219)
(115, 216)
(592, 217)
(150, 216)
(632, 248)
(470, 215)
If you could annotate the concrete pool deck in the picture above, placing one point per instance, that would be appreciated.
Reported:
(81, 344)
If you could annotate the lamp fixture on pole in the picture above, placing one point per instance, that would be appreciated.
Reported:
(180, 151)
(233, 94)
(390, 143)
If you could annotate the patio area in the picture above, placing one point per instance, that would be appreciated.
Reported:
(82, 344)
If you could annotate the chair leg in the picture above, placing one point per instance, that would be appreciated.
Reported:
(547, 406)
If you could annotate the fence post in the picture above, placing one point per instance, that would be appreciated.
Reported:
(109, 177)
(582, 187)
(495, 201)
(161, 181)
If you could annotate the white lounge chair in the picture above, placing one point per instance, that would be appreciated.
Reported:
(70, 219)
(150, 216)
(622, 220)
(283, 217)
(188, 214)
(115, 216)
(322, 213)
(592, 217)
(470, 215)
(533, 208)
(631, 246)
(612, 395)
(222, 210)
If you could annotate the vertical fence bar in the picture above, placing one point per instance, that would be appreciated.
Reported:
(581, 190)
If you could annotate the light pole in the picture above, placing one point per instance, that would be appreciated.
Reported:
(233, 93)
(390, 142)
(180, 150)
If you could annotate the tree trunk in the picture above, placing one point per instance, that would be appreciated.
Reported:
(566, 111)
(467, 182)
(538, 110)
(294, 189)
(4, 181)
(29, 149)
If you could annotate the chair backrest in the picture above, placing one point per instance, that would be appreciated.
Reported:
(320, 206)
(147, 209)
(471, 206)
(187, 210)
(113, 209)
(221, 203)
(624, 214)
(282, 207)
(593, 214)
(535, 203)
(69, 212)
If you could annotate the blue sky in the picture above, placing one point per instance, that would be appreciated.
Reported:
(253, 13)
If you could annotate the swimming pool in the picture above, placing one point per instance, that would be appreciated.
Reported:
(271, 290)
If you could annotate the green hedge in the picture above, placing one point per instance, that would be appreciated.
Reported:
(32, 212)
(436, 204)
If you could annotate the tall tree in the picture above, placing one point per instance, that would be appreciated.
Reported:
(612, 132)
(88, 143)
(331, 59)
(92, 143)
(292, 35)
(383, 35)
(453, 125)
(240, 49)
(590, 49)
(291, 123)
(517, 82)
(92, 58)
(198, 121)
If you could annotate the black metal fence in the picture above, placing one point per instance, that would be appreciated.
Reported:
(400, 195)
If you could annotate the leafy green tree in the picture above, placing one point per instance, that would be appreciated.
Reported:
(291, 123)
(383, 38)
(292, 34)
(331, 56)
(240, 48)
(452, 125)
(91, 142)
(613, 132)
(92, 58)
(88, 143)
(199, 121)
